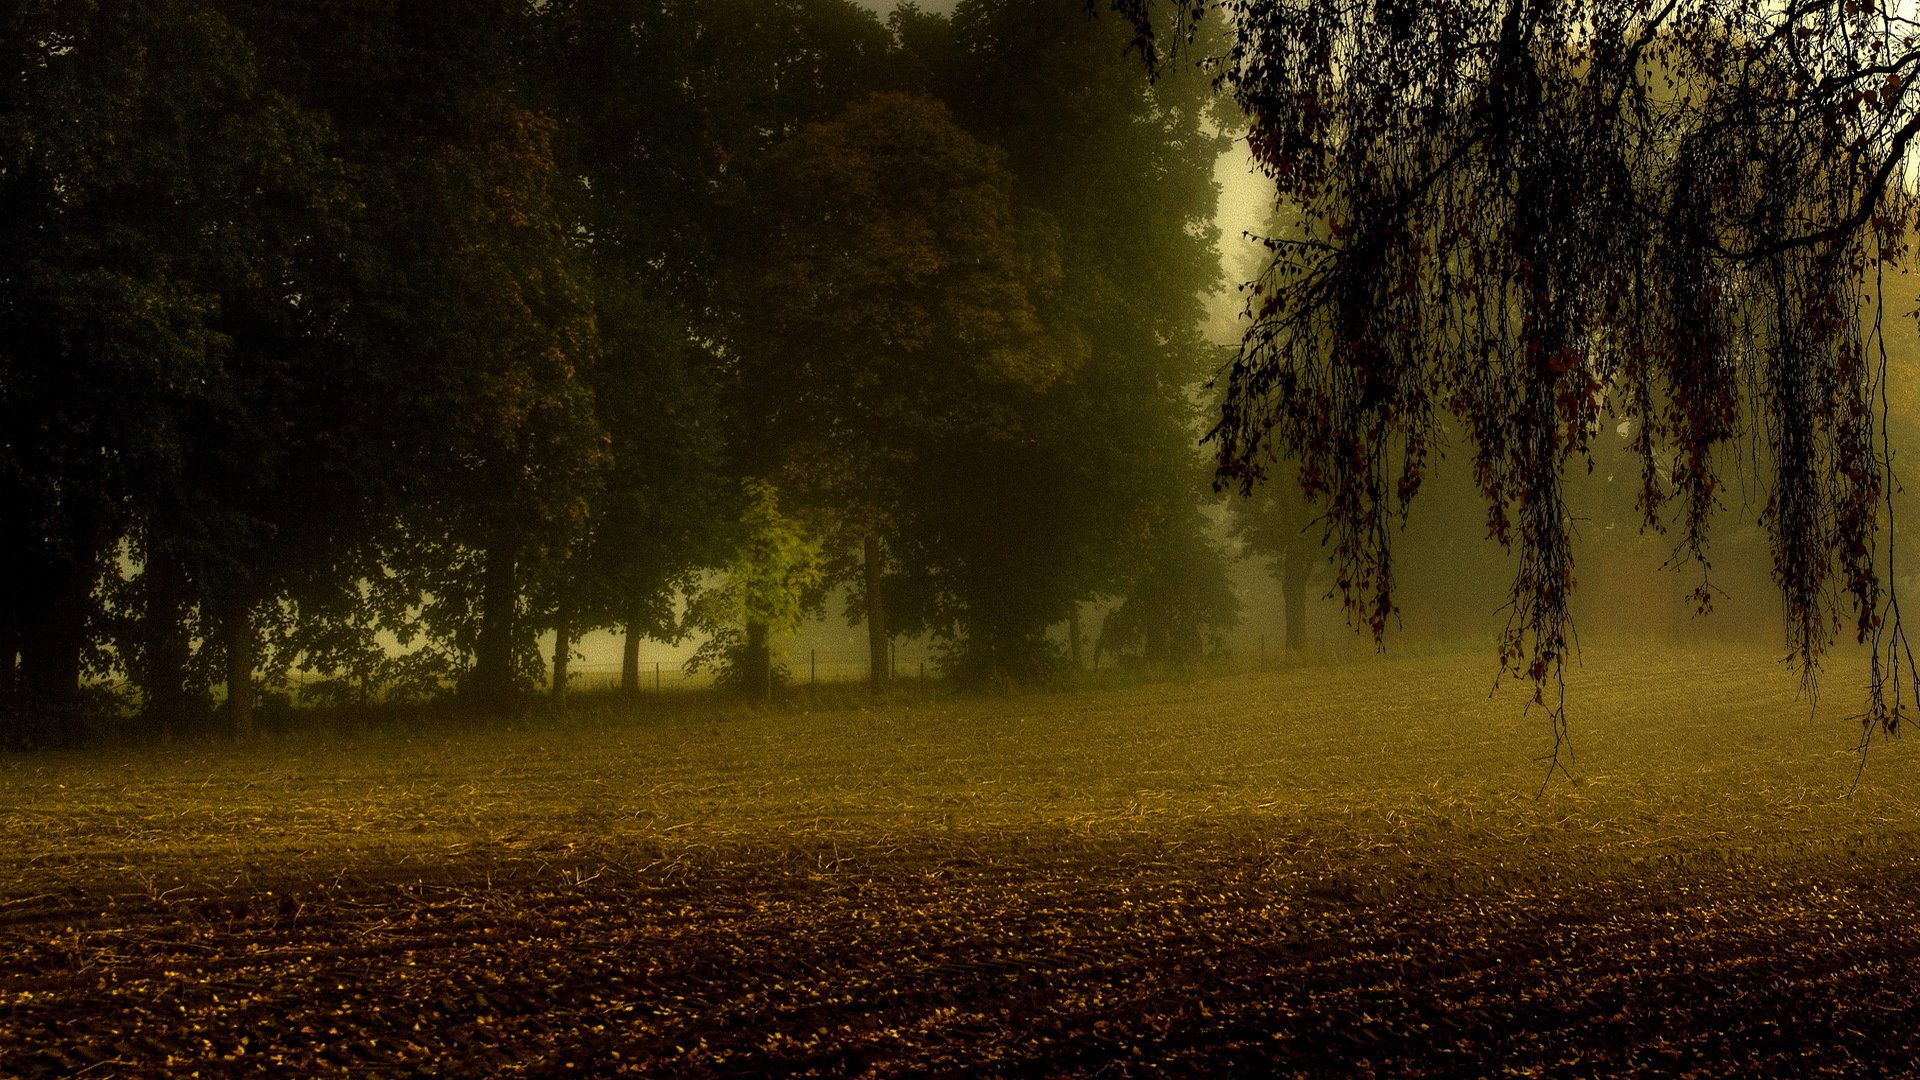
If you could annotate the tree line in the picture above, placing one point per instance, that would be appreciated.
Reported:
(379, 338)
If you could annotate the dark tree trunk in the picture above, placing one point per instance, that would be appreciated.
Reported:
(50, 650)
(630, 655)
(562, 653)
(167, 650)
(756, 666)
(879, 639)
(237, 624)
(1074, 635)
(52, 626)
(1157, 650)
(493, 682)
(1298, 567)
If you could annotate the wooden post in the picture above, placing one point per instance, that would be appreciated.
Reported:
(656, 676)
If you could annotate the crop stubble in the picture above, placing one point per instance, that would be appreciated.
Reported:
(1327, 868)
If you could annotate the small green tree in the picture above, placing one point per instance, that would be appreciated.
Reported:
(764, 594)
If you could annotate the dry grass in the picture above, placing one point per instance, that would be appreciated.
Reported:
(1676, 756)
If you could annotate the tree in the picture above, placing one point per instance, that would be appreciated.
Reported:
(1180, 604)
(508, 329)
(1276, 523)
(276, 483)
(669, 112)
(763, 595)
(659, 515)
(893, 312)
(479, 301)
(94, 328)
(1515, 212)
(671, 107)
(172, 273)
(1106, 461)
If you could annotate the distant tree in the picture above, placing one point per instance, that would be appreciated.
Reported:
(1179, 607)
(1275, 523)
(1509, 206)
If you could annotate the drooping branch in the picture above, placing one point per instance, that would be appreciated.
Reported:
(1512, 216)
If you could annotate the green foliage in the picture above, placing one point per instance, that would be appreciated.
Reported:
(764, 593)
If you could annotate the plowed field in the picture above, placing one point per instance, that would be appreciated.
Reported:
(1320, 871)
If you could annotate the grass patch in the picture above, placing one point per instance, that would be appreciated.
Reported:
(1673, 755)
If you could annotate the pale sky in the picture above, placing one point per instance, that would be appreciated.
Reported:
(941, 7)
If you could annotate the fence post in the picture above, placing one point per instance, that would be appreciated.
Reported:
(813, 667)
(656, 676)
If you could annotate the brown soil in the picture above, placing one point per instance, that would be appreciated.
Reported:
(1133, 960)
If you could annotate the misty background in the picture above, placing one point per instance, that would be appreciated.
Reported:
(487, 351)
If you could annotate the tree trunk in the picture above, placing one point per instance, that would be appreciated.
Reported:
(630, 655)
(53, 624)
(879, 640)
(1298, 567)
(756, 666)
(1073, 634)
(493, 683)
(562, 654)
(50, 651)
(167, 650)
(237, 622)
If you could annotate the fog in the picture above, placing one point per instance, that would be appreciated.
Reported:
(826, 538)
